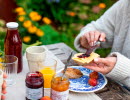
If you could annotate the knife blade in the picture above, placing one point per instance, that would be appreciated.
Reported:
(92, 48)
(68, 60)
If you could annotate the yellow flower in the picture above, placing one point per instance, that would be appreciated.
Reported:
(22, 13)
(27, 24)
(39, 33)
(26, 38)
(102, 5)
(32, 29)
(38, 17)
(1, 60)
(34, 16)
(19, 9)
(1, 67)
(46, 20)
(21, 18)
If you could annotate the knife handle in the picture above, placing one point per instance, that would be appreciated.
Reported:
(97, 43)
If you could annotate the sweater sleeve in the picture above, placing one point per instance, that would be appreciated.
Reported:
(106, 24)
(121, 71)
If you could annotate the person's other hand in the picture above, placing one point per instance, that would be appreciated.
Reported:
(102, 65)
(4, 87)
(89, 38)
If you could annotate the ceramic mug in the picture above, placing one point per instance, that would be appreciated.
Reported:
(35, 56)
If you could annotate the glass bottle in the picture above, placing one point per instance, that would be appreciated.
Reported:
(13, 43)
(34, 86)
(60, 87)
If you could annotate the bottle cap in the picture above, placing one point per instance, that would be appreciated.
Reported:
(12, 25)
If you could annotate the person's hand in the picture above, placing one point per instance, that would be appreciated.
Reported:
(4, 87)
(89, 38)
(102, 65)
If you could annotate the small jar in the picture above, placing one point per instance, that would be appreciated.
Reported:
(60, 87)
(34, 86)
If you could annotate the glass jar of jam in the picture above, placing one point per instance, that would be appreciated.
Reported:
(34, 86)
(60, 87)
(13, 43)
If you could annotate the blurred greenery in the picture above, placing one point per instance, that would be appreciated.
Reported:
(54, 21)
(2, 36)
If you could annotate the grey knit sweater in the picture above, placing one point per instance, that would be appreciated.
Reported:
(116, 24)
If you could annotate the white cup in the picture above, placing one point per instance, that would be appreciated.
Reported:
(35, 56)
(1, 82)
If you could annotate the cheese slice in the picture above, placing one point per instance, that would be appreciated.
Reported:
(86, 60)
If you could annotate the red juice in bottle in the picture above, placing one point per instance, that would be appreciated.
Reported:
(13, 43)
(34, 86)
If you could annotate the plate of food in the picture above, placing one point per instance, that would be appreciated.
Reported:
(81, 80)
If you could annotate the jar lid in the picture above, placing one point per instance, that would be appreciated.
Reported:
(12, 25)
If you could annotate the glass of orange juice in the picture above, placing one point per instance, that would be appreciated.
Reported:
(48, 70)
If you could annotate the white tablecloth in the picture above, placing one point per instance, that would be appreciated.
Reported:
(18, 92)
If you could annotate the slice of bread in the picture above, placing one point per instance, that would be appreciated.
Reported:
(85, 60)
(73, 73)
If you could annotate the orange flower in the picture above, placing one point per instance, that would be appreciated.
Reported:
(21, 18)
(26, 38)
(22, 13)
(27, 23)
(38, 17)
(19, 9)
(102, 5)
(39, 33)
(32, 29)
(71, 13)
(46, 20)
(35, 16)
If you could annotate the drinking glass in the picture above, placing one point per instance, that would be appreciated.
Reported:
(48, 70)
(9, 64)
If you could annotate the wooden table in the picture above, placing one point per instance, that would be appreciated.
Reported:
(112, 91)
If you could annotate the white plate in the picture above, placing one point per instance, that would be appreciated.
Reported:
(81, 84)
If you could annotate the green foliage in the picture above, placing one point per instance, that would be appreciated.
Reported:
(2, 36)
(46, 39)
(103, 51)
(67, 18)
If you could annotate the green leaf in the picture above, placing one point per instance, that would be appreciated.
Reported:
(51, 35)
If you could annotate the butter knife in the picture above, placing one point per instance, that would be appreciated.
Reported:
(68, 60)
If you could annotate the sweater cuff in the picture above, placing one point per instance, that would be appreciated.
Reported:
(121, 69)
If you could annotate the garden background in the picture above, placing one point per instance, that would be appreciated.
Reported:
(43, 22)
